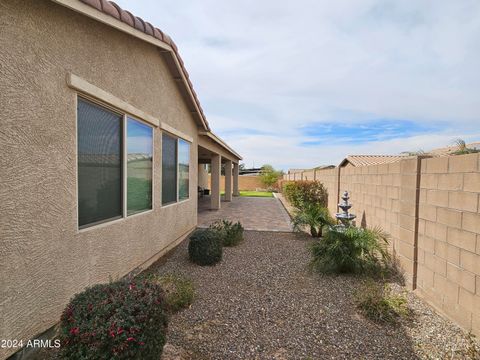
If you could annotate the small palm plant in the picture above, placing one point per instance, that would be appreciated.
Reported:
(351, 250)
(462, 148)
(313, 216)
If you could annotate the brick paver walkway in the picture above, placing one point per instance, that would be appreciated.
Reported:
(262, 214)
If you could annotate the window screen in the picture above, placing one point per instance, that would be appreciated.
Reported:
(183, 169)
(99, 163)
(169, 169)
(139, 166)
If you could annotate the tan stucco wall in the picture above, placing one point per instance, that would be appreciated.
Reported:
(202, 176)
(431, 209)
(44, 258)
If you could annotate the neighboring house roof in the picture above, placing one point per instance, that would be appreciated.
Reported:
(451, 149)
(251, 171)
(366, 160)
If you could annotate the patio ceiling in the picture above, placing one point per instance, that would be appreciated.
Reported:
(205, 155)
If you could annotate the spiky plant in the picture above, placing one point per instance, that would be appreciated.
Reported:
(313, 216)
(379, 303)
(462, 148)
(351, 250)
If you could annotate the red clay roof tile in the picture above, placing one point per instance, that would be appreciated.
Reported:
(94, 3)
(139, 24)
(158, 34)
(109, 9)
(148, 28)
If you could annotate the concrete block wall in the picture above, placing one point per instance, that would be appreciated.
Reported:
(449, 237)
(384, 196)
(431, 209)
(309, 175)
(329, 178)
(245, 182)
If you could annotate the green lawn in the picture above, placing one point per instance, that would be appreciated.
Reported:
(254, 193)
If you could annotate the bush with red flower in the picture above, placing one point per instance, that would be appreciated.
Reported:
(120, 320)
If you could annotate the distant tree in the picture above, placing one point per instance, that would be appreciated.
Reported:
(241, 167)
(269, 176)
(462, 148)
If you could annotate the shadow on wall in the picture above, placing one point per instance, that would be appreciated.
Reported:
(363, 223)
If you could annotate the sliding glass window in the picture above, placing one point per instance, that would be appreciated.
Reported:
(183, 169)
(139, 166)
(169, 169)
(99, 164)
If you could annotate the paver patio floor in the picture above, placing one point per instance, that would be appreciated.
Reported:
(261, 214)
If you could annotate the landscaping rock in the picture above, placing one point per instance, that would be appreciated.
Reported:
(261, 302)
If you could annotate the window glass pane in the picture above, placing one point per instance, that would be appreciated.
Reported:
(183, 169)
(99, 163)
(139, 166)
(169, 169)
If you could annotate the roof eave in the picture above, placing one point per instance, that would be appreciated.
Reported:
(222, 143)
(166, 45)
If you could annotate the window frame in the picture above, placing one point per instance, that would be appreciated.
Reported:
(178, 170)
(124, 153)
(177, 140)
(125, 164)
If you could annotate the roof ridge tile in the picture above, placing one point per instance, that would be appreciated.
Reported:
(149, 28)
(93, 3)
(110, 9)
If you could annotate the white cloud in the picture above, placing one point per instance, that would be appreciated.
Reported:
(275, 66)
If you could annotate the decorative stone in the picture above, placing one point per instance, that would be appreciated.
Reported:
(344, 217)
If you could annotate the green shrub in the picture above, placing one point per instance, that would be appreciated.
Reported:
(351, 250)
(377, 302)
(179, 291)
(313, 216)
(205, 247)
(120, 320)
(230, 234)
(269, 176)
(299, 193)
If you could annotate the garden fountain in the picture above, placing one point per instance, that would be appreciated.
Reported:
(344, 217)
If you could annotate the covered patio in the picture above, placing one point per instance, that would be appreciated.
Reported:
(217, 154)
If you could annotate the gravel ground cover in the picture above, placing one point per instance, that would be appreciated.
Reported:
(262, 302)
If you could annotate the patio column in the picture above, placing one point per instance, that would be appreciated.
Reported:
(228, 180)
(215, 181)
(235, 179)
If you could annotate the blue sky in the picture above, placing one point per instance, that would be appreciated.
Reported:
(305, 83)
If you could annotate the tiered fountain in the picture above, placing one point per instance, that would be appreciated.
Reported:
(344, 217)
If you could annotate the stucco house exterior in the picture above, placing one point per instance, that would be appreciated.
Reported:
(101, 139)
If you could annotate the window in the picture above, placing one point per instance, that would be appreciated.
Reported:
(169, 169)
(175, 169)
(99, 164)
(139, 166)
(183, 169)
